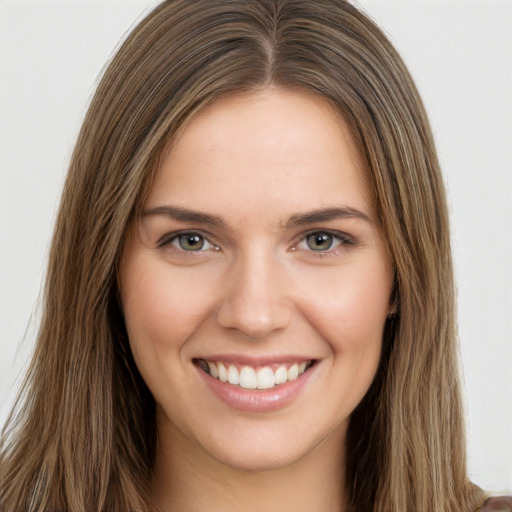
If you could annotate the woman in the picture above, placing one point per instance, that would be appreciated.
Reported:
(254, 191)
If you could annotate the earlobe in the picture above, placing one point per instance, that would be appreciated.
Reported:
(391, 315)
(394, 300)
(393, 309)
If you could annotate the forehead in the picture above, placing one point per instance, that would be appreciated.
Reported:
(285, 146)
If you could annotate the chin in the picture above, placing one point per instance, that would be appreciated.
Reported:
(255, 459)
(272, 448)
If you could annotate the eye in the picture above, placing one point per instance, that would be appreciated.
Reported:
(188, 242)
(324, 241)
(320, 241)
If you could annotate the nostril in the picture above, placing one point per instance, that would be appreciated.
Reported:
(254, 321)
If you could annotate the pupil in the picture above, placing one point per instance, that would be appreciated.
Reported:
(319, 241)
(191, 242)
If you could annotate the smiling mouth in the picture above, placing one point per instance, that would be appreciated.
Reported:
(247, 377)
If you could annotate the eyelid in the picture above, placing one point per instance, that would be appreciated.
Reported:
(169, 238)
(343, 238)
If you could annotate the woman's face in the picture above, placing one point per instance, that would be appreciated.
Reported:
(259, 260)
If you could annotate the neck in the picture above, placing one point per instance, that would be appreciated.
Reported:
(187, 479)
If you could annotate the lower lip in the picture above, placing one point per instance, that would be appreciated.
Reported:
(250, 400)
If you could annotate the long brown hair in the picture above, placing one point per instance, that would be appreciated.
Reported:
(82, 436)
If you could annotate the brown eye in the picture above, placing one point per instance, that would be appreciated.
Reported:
(320, 241)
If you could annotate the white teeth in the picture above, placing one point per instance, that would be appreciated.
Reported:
(265, 378)
(233, 375)
(248, 378)
(223, 373)
(213, 369)
(293, 371)
(281, 375)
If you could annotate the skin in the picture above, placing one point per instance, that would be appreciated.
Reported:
(259, 163)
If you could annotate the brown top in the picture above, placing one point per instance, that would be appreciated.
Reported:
(497, 504)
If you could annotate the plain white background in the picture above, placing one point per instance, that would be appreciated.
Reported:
(459, 52)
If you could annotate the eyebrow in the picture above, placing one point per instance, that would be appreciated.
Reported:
(327, 214)
(185, 215)
(300, 219)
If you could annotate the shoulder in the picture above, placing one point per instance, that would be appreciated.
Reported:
(497, 504)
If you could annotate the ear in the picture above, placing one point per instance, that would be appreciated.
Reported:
(394, 299)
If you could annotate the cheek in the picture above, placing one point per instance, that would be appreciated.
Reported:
(162, 308)
(350, 309)
(352, 321)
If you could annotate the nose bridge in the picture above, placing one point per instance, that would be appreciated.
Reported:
(255, 301)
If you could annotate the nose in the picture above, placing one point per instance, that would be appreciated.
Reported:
(255, 301)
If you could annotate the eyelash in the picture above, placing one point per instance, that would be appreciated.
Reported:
(339, 240)
(170, 238)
